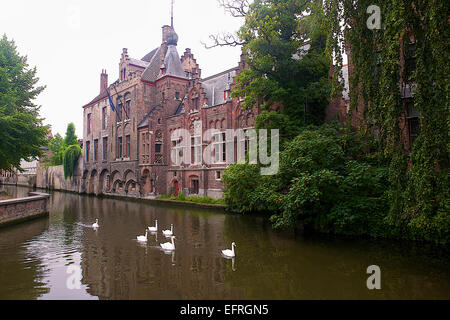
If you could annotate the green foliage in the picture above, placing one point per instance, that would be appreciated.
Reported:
(195, 199)
(56, 146)
(71, 155)
(418, 188)
(240, 182)
(71, 137)
(21, 130)
(326, 179)
(283, 73)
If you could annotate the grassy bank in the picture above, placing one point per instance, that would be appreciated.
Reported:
(193, 199)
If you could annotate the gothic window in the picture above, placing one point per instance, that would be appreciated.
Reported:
(413, 120)
(88, 145)
(127, 109)
(410, 61)
(127, 146)
(119, 112)
(105, 148)
(89, 116)
(219, 147)
(95, 150)
(119, 148)
(176, 151)
(157, 147)
(196, 150)
(104, 118)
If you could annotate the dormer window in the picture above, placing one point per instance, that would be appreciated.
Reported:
(163, 69)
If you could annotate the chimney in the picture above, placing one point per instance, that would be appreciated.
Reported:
(103, 81)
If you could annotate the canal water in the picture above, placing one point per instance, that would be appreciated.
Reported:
(42, 259)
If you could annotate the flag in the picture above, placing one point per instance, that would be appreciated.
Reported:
(110, 101)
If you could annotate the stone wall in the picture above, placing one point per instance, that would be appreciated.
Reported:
(20, 209)
(52, 178)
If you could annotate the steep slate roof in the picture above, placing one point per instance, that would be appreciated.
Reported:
(100, 97)
(172, 62)
(152, 71)
(216, 85)
(139, 63)
(148, 57)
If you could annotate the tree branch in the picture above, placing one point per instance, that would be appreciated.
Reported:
(237, 8)
(222, 40)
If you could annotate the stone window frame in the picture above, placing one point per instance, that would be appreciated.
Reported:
(219, 146)
(95, 151)
(105, 148)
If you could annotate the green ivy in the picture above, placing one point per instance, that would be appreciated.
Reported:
(418, 180)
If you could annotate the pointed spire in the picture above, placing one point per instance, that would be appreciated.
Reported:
(171, 13)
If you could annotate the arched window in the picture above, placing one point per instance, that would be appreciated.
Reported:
(127, 105)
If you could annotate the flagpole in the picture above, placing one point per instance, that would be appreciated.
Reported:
(123, 103)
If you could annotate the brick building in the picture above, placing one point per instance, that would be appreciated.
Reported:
(409, 121)
(128, 151)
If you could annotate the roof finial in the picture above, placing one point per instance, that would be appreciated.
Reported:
(171, 13)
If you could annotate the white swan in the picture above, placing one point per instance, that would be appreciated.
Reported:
(168, 233)
(168, 245)
(143, 238)
(228, 252)
(95, 225)
(155, 228)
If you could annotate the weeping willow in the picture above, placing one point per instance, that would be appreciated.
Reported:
(71, 155)
(418, 190)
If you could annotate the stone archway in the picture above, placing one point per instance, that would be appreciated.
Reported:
(93, 182)
(84, 182)
(104, 182)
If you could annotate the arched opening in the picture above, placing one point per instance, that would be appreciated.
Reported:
(93, 182)
(104, 185)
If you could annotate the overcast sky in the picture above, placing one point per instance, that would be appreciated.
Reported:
(71, 41)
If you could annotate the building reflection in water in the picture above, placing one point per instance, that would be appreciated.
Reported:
(21, 274)
(34, 258)
(116, 266)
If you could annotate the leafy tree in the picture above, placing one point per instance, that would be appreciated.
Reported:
(21, 128)
(287, 61)
(71, 138)
(326, 180)
(56, 146)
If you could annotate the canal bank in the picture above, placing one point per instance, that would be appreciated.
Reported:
(17, 210)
